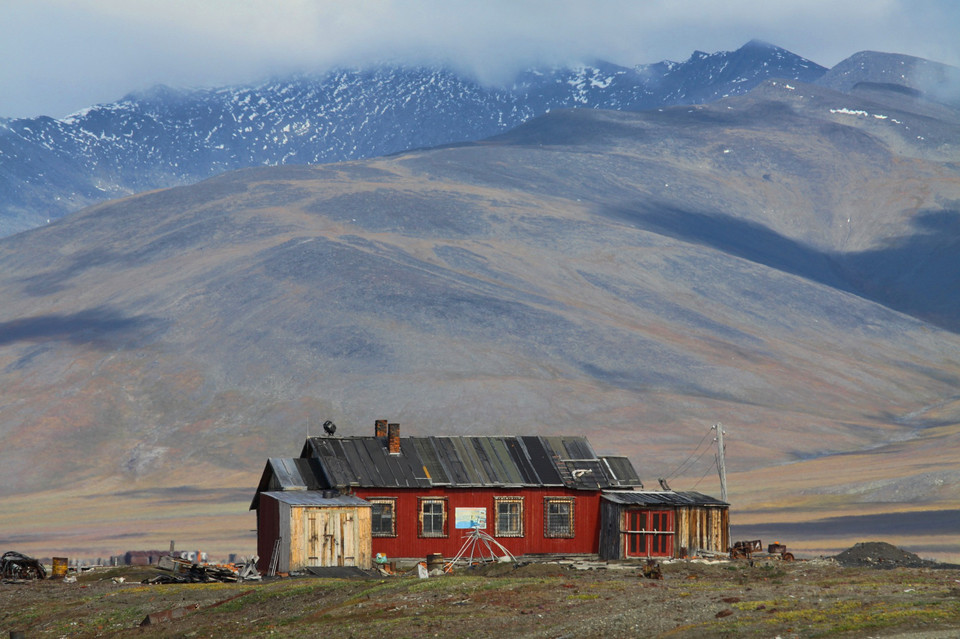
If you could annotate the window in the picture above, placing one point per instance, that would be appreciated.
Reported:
(383, 516)
(558, 517)
(509, 513)
(433, 517)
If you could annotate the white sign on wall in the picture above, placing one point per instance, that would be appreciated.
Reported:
(470, 518)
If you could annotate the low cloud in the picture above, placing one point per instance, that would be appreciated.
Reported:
(70, 55)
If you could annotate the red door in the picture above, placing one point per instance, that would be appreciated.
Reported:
(649, 533)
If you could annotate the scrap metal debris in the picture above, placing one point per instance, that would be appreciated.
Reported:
(18, 567)
(204, 573)
(754, 549)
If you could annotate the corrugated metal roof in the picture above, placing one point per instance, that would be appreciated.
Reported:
(365, 461)
(661, 498)
(466, 462)
(315, 498)
(620, 469)
(290, 474)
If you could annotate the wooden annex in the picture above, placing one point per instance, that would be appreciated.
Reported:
(409, 497)
(662, 524)
(314, 528)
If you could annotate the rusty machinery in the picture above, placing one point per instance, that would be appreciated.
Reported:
(754, 549)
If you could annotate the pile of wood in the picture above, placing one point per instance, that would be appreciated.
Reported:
(182, 572)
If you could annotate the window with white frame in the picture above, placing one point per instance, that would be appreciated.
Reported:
(558, 517)
(433, 517)
(509, 516)
(383, 516)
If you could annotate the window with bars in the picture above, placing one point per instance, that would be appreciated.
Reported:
(558, 517)
(383, 516)
(433, 517)
(509, 516)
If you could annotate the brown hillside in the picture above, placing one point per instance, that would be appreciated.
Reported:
(784, 263)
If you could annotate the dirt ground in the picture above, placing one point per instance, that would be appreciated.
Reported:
(760, 598)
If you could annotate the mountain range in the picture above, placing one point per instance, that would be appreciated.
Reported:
(166, 137)
(782, 261)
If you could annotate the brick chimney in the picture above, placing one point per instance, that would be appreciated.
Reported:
(393, 439)
(380, 428)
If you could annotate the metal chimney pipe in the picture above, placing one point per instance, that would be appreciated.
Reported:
(393, 439)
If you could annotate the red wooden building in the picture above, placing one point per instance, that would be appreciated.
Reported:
(534, 495)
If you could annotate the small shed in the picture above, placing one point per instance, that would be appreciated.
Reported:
(662, 524)
(313, 528)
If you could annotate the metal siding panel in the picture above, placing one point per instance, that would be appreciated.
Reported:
(469, 477)
(333, 458)
(412, 461)
(594, 479)
(451, 460)
(541, 461)
(372, 468)
(519, 456)
(286, 473)
(509, 470)
(471, 462)
(355, 463)
(391, 470)
(554, 446)
(314, 498)
(624, 471)
(577, 448)
(428, 455)
(488, 460)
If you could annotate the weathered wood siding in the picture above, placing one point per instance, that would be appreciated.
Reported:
(702, 528)
(312, 536)
(696, 528)
(329, 536)
(611, 526)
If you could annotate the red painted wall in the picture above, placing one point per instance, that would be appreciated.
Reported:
(268, 529)
(408, 544)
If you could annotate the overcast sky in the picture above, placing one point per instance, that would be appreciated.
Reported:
(58, 56)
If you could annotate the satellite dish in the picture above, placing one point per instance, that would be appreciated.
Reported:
(329, 427)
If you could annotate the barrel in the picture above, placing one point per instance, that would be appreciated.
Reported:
(435, 561)
(59, 567)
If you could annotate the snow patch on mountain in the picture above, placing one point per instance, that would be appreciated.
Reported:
(166, 137)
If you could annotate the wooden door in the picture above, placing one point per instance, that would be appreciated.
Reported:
(331, 537)
(661, 539)
(648, 533)
(312, 536)
(635, 540)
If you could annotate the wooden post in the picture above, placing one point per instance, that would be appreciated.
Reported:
(720, 465)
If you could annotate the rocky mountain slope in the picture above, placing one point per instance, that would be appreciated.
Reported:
(783, 262)
(167, 137)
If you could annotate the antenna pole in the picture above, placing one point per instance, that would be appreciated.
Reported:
(720, 466)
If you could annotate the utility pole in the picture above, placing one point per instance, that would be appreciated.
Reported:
(720, 467)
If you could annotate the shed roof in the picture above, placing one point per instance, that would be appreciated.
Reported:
(315, 498)
(661, 498)
(424, 462)
(289, 474)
